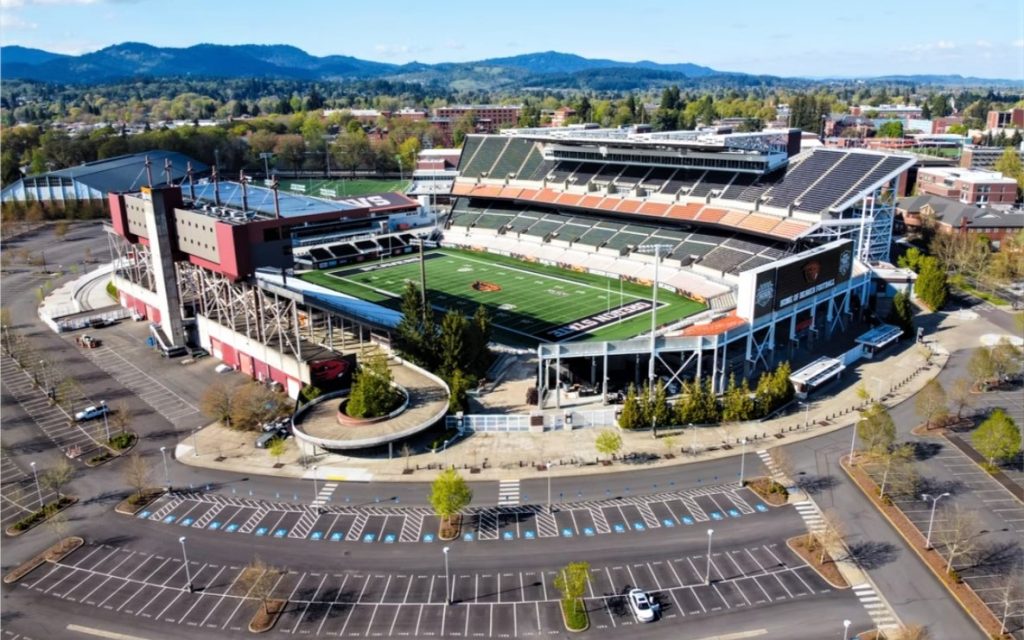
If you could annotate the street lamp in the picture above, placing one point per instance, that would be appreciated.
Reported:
(315, 491)
(549, 465)
(195, 443)
(656, 249)
(184, 557)
(846, 629)
(931, 518)
(265, 156)
(447, 585)
(707, 573)
(853, 443)
(807, 413)
(106, 424)
(35, 476)
(743, 458)
(167, 474)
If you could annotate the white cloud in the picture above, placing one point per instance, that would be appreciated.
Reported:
(945, 44)
(983, 44)
(1018, 43)
(9, 21)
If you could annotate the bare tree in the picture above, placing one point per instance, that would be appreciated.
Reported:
(259, 579)
(960, 395)
(958, 534)
(783, 463)
(899, 472)
(58, 476)
(930, 403)
(253, 404)
(68, 390)
(137, 474)
(832, 535)
(57, 524)
(216, 403)
(1011, 596)
(121, 417)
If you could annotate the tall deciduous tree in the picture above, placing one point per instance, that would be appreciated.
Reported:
(959, 534)
(216, 403)
(997, 438)
(876, 429)
(449, 494)
(1009, 165)
(930, 404)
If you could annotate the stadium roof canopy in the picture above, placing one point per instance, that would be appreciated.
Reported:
(94, 180)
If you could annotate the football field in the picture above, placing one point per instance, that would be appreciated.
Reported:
(535, 301)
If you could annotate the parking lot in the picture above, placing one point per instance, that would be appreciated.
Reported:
(395, 524)
(18, 491)
(52, 419)
(358, 603)
(975, 491)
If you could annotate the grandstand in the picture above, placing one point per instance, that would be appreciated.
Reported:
(722, 209)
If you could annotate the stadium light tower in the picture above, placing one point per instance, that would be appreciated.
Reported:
(657, 250)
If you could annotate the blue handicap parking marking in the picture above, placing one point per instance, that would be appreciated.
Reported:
(507, 535)
(170, 519)
(144, 514)
(668, 522)
(262, 531)
(619, 528)
(760, 507)
(231, 528)
(428, 537)
(588, 531)
(187, 522)
(316, 535)
(529, 534)
(369, 537)
(567, 532)
(468, 537)
(213, 526)
(639, 526)
(389, 538)
(280, 533)
(715, 515)
(687, 520)
(337, 536)
(734, 513)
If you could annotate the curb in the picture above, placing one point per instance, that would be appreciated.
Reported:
(789, 543)
(11, 533)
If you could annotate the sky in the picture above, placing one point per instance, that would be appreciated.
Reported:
(808, 38)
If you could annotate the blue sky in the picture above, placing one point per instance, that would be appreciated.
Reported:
(794, 37)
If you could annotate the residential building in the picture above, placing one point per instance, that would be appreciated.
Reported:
(952, 216)
(1011, 118)
(970, 186)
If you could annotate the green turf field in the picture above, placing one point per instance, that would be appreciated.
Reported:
(348, 188)
(527, 299)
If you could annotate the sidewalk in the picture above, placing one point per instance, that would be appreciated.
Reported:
(506, 455)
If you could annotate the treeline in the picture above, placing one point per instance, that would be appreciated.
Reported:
(698, 404)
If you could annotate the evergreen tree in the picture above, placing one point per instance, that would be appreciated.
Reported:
(451, 342)
(902, 314)
(632, 414)
(372, 395)
(478, 338)
(737, 405)
(931, 285)
(416, 331)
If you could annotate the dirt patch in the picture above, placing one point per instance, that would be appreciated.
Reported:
(266, 615)
(809, 548)
(136, 503)
(450, 529)
(960, 591)
(769, 490)
(52, 554)
(487, 287)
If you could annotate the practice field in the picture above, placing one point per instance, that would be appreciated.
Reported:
(347, 188)
(535, 301)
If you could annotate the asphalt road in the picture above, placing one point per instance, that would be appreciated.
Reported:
(742, 542)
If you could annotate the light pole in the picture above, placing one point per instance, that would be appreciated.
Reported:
(447, 585)
(743, 458)
(931, 518)
(693, 442)
(106, 425)
(549, 465)
(707, 574)
(167, 474)
(807, 414)
(853, 443)
(184, 557)
(401, 169)
(315, 492)
(35, 476)
(846, 629)
(656, 250)
(195, 443)
(266, 165)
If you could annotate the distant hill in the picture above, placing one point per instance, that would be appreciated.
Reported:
(547, 69)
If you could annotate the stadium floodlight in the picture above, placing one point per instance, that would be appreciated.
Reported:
(658, 250)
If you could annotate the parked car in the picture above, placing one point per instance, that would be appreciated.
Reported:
(264, 440)
(641, 606)
(223, 368)
(92, 412)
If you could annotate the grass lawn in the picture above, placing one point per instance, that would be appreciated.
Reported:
(526, 299)
(348, 188)
(962, 283)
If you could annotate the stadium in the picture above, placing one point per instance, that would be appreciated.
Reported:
(609, 255)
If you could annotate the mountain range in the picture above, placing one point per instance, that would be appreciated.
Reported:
(549, 69)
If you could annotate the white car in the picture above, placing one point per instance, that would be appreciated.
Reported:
(641, 605)
(92, 412)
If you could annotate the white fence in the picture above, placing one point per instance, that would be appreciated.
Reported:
(553, 420)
